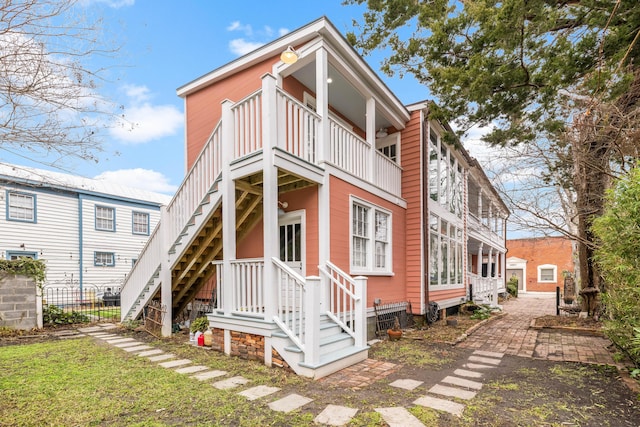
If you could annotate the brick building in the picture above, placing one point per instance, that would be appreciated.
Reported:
(539, 262)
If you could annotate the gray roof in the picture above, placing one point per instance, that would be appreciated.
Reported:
(48, 179)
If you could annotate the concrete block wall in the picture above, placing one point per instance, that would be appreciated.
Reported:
(18, 302)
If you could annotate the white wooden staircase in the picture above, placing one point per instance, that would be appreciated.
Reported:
(316, 324)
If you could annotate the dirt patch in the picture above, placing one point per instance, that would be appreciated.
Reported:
(449, 331)
(574, 324)
(19, 337)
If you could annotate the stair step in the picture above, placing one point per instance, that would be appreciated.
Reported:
(335, 356)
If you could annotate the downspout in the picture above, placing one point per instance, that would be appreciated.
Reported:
(80, 249)
(424, 181)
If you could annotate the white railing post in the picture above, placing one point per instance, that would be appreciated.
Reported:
(312, 320)
(360, 311)
(228, 206)
(322, 105)
(269, 192)
(165, 274)
(371, 137)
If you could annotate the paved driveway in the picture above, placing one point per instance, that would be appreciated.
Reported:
(511, 335)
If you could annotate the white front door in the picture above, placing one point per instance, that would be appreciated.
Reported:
(292, 240)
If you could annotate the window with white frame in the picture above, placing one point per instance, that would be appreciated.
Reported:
(389, 146)
(547, 273)
(104, 259)
(370, 238)
(140, 223)
(445, 253)
(21, 207)
(105, 218)
(445, 175)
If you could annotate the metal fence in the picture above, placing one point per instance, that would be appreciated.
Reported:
(97, 303)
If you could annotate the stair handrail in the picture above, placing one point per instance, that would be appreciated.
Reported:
(141, 273)
(346, 297)
(200, 179)
(290, 307)
(183, 204)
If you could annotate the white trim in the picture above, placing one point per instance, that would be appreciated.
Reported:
(547, 267)
(371, 270)
(364, 185)
(389, 140)
(293, 217)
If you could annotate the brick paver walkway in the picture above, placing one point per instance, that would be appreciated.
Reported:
(511, 335)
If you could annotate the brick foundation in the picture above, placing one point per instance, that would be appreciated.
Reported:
(246, 346)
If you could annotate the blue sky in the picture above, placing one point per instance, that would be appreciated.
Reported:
(166, 44)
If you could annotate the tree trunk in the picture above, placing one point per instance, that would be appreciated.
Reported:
(591, 181)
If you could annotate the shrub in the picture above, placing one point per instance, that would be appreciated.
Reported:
(512, 286)
(618, 257)
(200, 324)
(482, 312)
(54, 315)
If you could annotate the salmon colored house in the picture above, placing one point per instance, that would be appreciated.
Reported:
(312, 192)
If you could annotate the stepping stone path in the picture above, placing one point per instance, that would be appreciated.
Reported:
(445, 396)
(459, 385)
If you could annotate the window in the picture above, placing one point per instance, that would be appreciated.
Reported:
(105, 218)
(446, 184)
(547, 273)
(370, 238)
(21, 207)
(445, 253)
(12, 256)
(104, 259)
(140, 223)
(389, 146)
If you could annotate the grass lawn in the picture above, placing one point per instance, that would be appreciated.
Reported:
(75, 382)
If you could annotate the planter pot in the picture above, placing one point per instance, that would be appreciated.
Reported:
(394, 335)
(452, 322)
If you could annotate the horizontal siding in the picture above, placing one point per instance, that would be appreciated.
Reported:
(54, 237)
(387, 288)
(412, 193)
(442, 295)
(123, 243)
(204, 107)
(252, 246)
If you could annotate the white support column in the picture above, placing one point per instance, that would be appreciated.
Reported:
(322, 105)
(269, 193)
(228, 187)
(490, 271)
(324, 154)
(361, 311)
(371, 135)
(312, 321)
(166, 296)
(480, 206)
(503, 267)
(479, 261)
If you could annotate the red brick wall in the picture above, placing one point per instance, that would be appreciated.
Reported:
(247, 346)
(540, 251)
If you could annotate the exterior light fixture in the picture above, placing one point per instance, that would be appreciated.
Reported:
(281, 207)
(381, 133)
(289, 56)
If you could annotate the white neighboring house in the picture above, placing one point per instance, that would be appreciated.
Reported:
(89, 232)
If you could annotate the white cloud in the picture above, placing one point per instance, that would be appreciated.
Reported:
(138, 93)
(142, 121)
(242, 47)
(144, 179)
(237, 26)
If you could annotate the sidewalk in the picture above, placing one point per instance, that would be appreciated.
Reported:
(511, 335)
